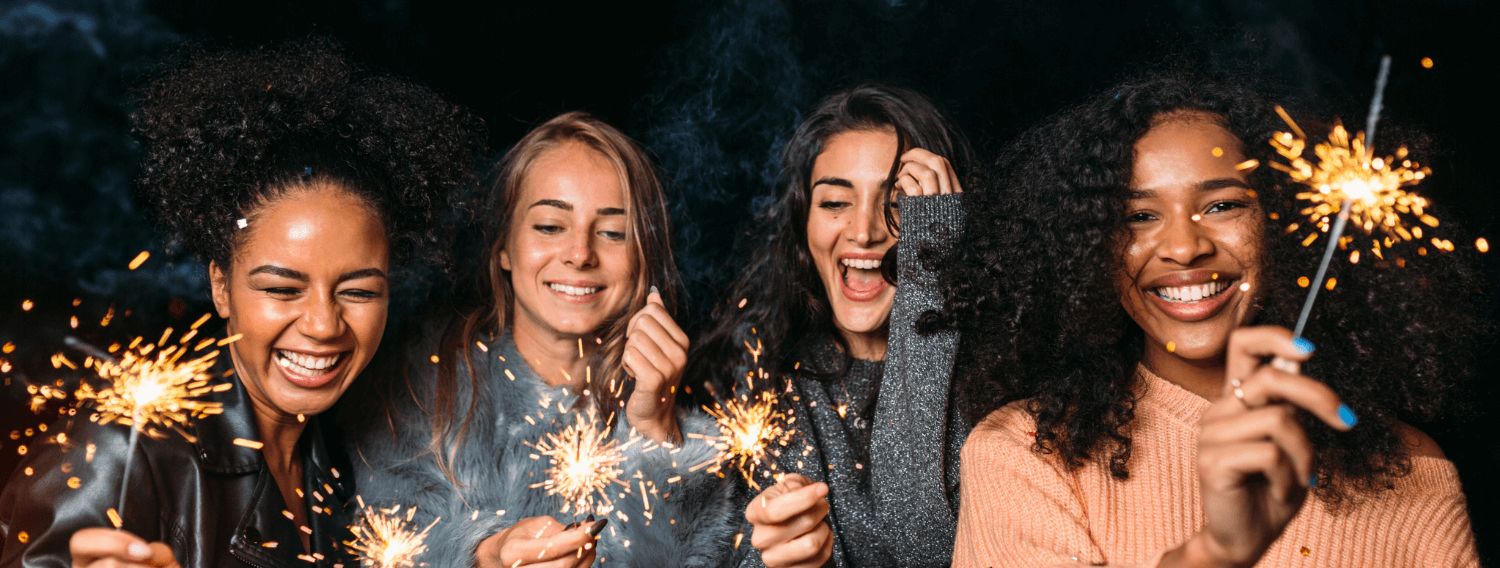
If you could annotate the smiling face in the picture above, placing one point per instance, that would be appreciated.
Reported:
(308, 291)
(847, 234)
(1190, 270)
(571, 266)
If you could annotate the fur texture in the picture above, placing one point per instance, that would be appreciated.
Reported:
(685, 521)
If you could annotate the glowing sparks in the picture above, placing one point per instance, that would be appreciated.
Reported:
(146, 390)
(26, 305)
(1482, 245)
(139, 259)
(585, 461)
(385, 539)
(1427, 63)
(1171, 346)
(252, 444)
(750, 426)
(1346, 172)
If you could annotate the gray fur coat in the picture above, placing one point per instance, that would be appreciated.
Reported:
(681, 518)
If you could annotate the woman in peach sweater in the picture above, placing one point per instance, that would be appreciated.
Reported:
(1118, 304)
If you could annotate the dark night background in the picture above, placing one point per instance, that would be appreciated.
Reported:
(711, 88)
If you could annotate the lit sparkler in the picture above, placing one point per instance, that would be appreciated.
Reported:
(384, 539)
(585, 461)
(751, 426)
(150, 388)
(1351, 183)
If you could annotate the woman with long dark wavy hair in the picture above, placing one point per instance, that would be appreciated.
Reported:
(565, 322)
(1120, 295)
(868, 478)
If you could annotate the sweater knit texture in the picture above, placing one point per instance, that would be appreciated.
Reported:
(1021, 508)
(884, 436)
(666, 512)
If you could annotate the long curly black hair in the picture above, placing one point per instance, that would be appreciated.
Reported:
(225, 131)
(779, 301)
(1033, 296)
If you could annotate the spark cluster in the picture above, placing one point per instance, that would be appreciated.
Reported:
(585, 460)
(385, 539)
(750, 426)
(1346, 171)
(151, 387)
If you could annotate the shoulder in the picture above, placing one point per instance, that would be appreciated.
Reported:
(1418, 443)
(1009, 431)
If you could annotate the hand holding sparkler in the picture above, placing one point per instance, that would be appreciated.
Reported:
(655, 354)
(542, 540)
(100, 547)
(791, 523)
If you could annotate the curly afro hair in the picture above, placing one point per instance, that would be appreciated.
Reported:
(225, 131)
(1033, 296)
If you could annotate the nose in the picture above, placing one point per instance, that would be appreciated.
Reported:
(1184, 240)
(580, 253)
(323, 321)
(868, 226)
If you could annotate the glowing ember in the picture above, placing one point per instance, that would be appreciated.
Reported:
(384, 539)
(750, 428)
(585, 461)
(160, 389)
(1346, 172)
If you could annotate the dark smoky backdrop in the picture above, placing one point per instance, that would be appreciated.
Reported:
(711, 88)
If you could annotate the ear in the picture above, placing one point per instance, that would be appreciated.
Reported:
(218, 283)
(505, 260)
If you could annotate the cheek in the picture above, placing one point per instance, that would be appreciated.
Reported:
(822, 231)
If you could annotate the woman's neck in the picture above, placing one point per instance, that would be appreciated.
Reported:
(560, 360)
(1204, 378)
(868, 346)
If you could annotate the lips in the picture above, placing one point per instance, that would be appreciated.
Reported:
(575, 292)
(860, 279)
(1193, 296)
(308, 370)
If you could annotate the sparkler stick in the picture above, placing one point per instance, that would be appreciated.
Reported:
(146, 390)
(1337, 232)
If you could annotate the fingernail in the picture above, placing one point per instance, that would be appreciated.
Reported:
(1303, 345)
(1312, 482)
(1347, 416)
(139, 550)
(654, 290)
(590, 519)
(598, 526)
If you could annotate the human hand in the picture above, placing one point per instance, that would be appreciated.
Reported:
(655, 353)
(101, 547)
(926, 173)
(542, 542)
(1255, 463)
(791, 526)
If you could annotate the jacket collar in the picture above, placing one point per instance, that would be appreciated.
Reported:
(216, 434)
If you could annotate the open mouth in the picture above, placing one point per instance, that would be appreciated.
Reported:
(309, 371)
(1197, 293)
(861, 278)
(574, 290)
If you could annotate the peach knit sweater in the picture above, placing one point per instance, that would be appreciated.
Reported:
(1020, 508)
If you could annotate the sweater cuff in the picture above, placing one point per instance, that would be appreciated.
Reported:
(932, 220)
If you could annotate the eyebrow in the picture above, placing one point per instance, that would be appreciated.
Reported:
(841, 182)
(302, 277)
(565, 206)
(1205, 185)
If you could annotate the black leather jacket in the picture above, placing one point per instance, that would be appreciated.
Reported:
(213, 502)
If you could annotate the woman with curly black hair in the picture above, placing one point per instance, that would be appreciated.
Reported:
(869, 476)
(1118, 301)
(305, 184)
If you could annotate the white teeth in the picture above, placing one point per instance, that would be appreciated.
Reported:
(573, 290)
(862, 264)
(305, 364)
(1179, 294)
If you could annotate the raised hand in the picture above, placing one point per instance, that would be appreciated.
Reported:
(791, 524)
(101, 547)
(1255, 463)
(655, 353)
(926, 173)
(541, 542)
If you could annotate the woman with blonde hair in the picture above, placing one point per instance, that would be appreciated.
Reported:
(569, 325)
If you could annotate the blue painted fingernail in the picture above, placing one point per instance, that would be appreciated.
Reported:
(1347, 416)
(1312, 482)
(1303, 345)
